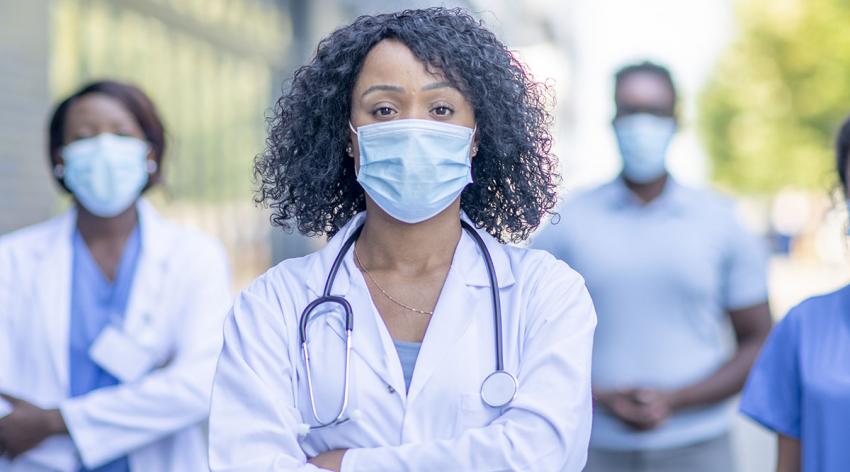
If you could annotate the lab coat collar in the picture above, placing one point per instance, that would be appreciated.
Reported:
(151, 272)
(55, 289)
(468, 258)
(321, 265)
(471, 262)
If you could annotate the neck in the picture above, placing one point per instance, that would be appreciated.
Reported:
(389, 244)
(96, 229)
(648, 191)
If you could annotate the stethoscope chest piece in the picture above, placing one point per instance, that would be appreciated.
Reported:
(498, 389)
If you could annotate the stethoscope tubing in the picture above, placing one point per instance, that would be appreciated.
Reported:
(349, 319)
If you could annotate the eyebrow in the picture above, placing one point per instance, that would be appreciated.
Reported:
(382, 88)
(437, 85)
(396, 88)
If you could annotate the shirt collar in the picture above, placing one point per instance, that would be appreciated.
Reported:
(673, 197)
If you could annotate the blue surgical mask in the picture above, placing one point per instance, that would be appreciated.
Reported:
(106, 173)
(414, 169)
(643, 140)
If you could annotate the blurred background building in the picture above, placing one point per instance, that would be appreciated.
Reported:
(763, 87)
(213, 67)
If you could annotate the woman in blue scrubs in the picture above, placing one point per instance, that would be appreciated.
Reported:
(800, 386)
(110, 315)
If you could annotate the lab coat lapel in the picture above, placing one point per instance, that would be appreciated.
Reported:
(465, 298)
(370, 339)
(139, 320)
(458, 305)
(53, 294)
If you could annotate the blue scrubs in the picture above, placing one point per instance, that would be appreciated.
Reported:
(407, 354)
(95, 302)
(800, 385)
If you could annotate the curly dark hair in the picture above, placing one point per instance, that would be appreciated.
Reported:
(305, 173)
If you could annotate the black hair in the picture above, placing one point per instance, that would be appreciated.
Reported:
(842, 149)
(133, 99)
(305, 174)
(647, 67)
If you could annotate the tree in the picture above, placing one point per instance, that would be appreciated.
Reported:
(769, 113)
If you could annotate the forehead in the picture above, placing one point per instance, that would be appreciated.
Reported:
(644, 89)
(98, 108)
(392, 62)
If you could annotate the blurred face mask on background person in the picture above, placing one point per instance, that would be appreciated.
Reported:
(106, 173)
(643, 140)
(414, 169)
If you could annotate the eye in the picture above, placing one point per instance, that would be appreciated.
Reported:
(442, 110)
(80, 135)
(383, 112)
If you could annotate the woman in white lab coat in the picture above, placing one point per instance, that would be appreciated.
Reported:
(405, 131)
(111, 317)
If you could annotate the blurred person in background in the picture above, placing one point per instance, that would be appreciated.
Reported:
(110, 317)
(800, 385)
(668, 268)
(420, 144)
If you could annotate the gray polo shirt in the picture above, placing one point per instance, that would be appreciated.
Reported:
(662, 277)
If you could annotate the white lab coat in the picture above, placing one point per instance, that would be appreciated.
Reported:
(260, 391)
(180, 295)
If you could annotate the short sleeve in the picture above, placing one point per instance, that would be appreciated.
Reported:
(772, 395)
(744, 268)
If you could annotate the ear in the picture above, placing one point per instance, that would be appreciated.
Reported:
(57, 164)
(351, 148)
(475, 141)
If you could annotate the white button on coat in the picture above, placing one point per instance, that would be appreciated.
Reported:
(260, 394)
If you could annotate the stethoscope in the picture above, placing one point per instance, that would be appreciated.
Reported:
(497, 390)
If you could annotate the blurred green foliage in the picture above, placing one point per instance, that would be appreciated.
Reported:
(210, 66)
(770, 111)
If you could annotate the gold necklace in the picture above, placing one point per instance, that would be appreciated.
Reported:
(381, 289)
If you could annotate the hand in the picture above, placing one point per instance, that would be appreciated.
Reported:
(330, 460)
(641, 409)
(655, 405)
(27, 426)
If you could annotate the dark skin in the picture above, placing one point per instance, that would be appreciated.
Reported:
(410, 261)
(28, 425)
(643, 408)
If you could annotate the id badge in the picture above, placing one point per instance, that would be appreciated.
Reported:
(121, 355)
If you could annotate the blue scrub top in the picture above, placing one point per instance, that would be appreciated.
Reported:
(95, 302)
(407, 354)
(800, 385)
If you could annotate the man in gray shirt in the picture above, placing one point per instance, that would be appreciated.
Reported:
(669, 268)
